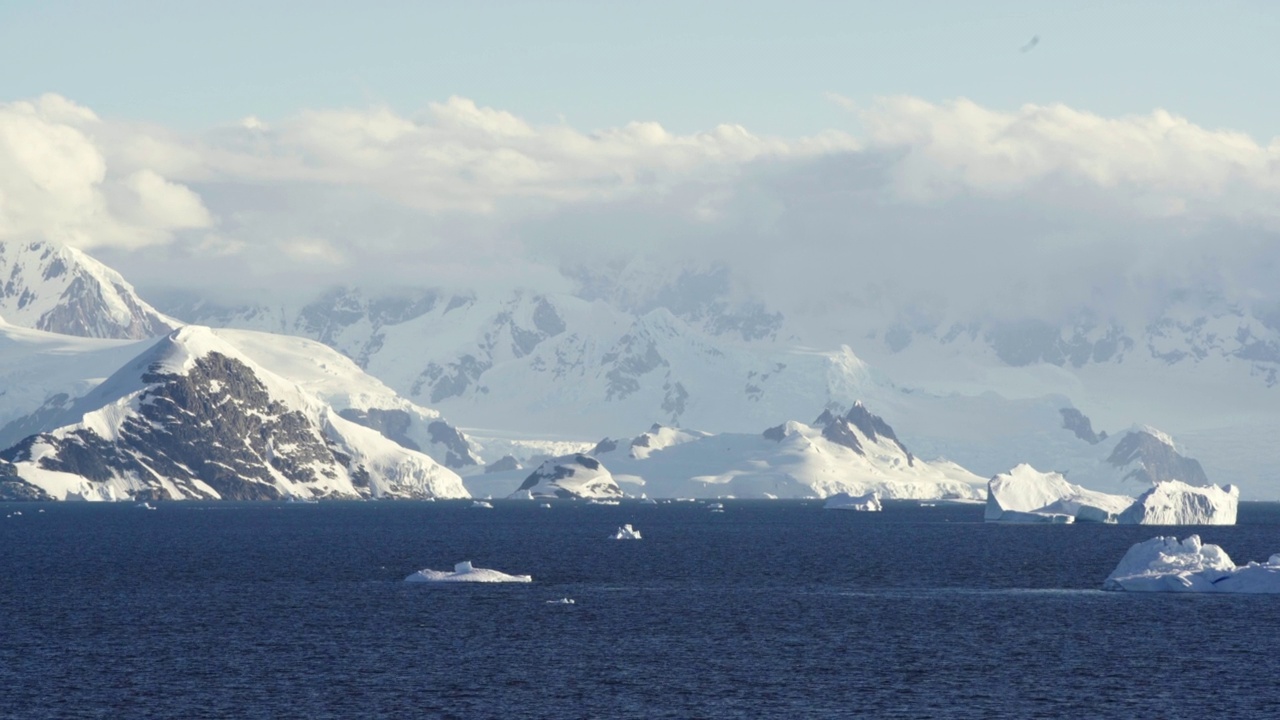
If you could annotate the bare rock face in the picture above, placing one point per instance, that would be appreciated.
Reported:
(60, 289)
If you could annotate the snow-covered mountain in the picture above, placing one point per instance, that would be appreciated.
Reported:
(194, 417)
(854, 453)
(536, 375)
(60, 289)
(42, 374)
(579, 367)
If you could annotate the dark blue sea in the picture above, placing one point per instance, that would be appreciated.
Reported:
(770, 609)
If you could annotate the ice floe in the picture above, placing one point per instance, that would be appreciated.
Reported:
(1163, 564)
(561, 601)
(482, 504)
(466, 572)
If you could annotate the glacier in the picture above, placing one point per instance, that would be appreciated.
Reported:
(466, 572)
(1163, 564)
(1026, 495)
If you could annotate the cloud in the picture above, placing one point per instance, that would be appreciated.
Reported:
(1156, 164)
(56, 182)
(927, 212)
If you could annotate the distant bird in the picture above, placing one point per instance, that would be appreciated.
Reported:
(1035, 40)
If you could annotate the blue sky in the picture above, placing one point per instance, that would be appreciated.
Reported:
(689, 65)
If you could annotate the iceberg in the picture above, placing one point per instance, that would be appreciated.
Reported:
(466, 572)
(1176, 503)
(1163, 564)
(561, 601)
(482, 504)
(626, 532)
(869, 502)
(1026, 495)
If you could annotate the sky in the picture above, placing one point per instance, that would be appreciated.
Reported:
(1041, 154)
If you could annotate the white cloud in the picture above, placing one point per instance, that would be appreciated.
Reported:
(56, 182)
(932, 208)
(1159, 163)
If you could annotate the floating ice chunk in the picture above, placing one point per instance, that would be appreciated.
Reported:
(146, 506)
(545, 505)
(648, 501)
(561, 601)
(1163, 564)
(626, 532)
(482, 504)
(869, 502)
(715, 506)
(466, 572)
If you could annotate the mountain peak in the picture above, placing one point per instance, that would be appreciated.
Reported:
(57, 288)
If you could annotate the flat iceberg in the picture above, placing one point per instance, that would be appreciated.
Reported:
(869, 502)
(465, 572)
(1163, 564)
(482, 505)
(626, 532)
(1026, 495)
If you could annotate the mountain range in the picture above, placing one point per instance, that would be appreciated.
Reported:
(526, 376)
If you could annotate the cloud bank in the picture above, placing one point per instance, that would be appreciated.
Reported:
(917, 210)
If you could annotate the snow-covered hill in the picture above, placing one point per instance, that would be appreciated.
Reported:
(193, 417)
(60, 289)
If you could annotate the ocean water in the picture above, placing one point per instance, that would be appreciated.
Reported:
(770, 609)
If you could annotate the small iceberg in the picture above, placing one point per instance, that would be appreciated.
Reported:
(482, 504)
(648, 501)
(1163, 564)
(626, 532)
(466, 572)
(146, 506)
(561, 601)
(715, 507)
(545, 505)
(861, 503)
